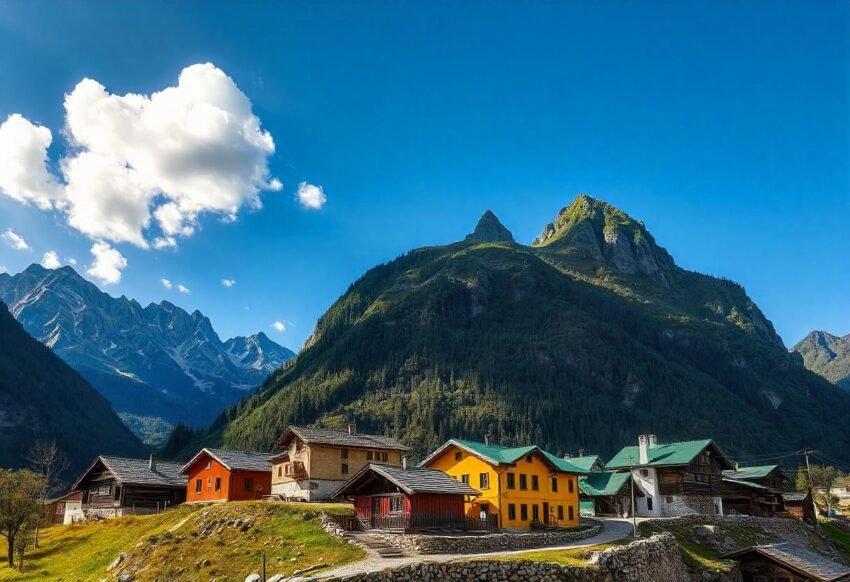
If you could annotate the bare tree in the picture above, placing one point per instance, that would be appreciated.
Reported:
(48, 460)
(20, 504)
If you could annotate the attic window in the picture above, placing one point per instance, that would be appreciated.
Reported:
(528, 459)
(458, 456)
(209, 464)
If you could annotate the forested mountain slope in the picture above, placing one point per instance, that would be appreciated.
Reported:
(585, 339)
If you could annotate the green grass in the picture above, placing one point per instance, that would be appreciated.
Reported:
(569, 557)
(174, 545)
(838, 536)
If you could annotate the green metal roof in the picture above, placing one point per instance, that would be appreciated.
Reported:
(585, 462)
(499, 455)
(660, 455)
(745, 473)
(603, 483)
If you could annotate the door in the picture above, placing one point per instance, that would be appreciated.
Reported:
(546, 512)
(376, 511)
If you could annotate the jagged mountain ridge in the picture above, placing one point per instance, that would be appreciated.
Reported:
(153, 362)
(827, 355)
(41, 397)
(583, 340)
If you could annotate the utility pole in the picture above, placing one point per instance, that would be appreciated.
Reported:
(634, 509)
(807, 452)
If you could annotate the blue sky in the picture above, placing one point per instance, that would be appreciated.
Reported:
(724, 126)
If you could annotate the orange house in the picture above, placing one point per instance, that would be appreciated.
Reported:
(214, 475)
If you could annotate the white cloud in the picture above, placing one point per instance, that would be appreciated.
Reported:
(166, 283)
(15, 240)
(279, 326)
(108, 263)
(71, 261)
(228, 283)
(50, 260)
(145, 163)
(23, 163)
(311, 196)
(183, 289)
(3, 269)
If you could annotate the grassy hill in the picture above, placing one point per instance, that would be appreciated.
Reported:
(585, 339)
(190, 543)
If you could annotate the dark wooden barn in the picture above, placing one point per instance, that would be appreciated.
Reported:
(787, 562)
(402, 499)
(114, 486)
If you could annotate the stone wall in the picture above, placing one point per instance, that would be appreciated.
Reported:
(688, 504)
(656, 558)
(476, 544)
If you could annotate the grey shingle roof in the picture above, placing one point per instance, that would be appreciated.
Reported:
(801, 560)
(794, 496)
(411, 480)
(235, 460)
(138, 471)
(325, 436)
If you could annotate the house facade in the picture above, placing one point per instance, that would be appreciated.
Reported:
(754, 490)
(522, 486)
(64, 510)
(675, 478)
(114, 486)
(215, 475)
(402, 499)
(607, 493)
(312, 463)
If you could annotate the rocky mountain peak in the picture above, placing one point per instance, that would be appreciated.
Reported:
(489, 229)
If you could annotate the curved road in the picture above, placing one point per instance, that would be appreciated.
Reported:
(613, 529)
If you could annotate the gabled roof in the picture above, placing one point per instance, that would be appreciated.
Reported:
(499, 455)
(800, 560)
(746, 473)
(586, 462)
(138, 472)
(411, 481)
(747, 484)
(603, 483)
(340, 438)
(664, 455)
(794, 496)
(234, 460)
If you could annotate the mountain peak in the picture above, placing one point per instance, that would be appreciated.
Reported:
(592, 229)
(489, 229)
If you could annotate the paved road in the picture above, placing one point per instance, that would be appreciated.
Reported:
(613, 529)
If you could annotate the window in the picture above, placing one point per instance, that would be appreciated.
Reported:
(511, 511)
(464, 479)
(649, 503)
(523, 512)
(644, 472)
(535, 513)
(385, 457)
(570, 512)
(209, 465)
(198, 485)
(511, 481)
(368, 455)
(218, 483)
(280, 470)
(570, 485)
(535, 483)
(554, 484)
(523, 481)
(344, 453)
(104, 489)
(560, 512)
(344, 468)
(668, 500)
(528, 459)
(209, 482)
(249, 484)
(396, 504)
(458, 456)
(484, 480)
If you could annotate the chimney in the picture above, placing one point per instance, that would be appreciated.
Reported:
(486, 439)
(404, 462)
(152, 463)
(643, 449)
(567, 456)
(581, 452)
(352, 428)
(653, 441)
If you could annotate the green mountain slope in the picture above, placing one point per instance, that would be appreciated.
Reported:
(585, 339)
(827, 355)
(41, 397)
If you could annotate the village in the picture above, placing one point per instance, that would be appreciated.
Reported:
(466, 496)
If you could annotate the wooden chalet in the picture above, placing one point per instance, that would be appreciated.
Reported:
(675, 478)
(401, 499)
(314, 462)
(65, 509)
(754, 490)
(216, 475)
(786, 562)
(801, 506)
(114, 486)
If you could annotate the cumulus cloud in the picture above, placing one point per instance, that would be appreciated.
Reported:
(15, 240)
(3, 269)
(166, 283)
(310, 196)
(107, 265)
(71, 261)
(228, 283)
(144, 168)
(183, 289)
(279, 326)
(50, 260)
(23, 163)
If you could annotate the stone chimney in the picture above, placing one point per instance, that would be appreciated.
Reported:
(404, 462)
(653, 441)
(581, 452)
(643, 449)
(152, 463)
(486, 439)
(352, 428)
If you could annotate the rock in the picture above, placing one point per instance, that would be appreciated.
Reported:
(277, 578)
(489, 229)
(203, 563)
(116, 562)
(253, 578)
(125, 577)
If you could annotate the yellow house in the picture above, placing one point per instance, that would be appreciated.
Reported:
(520, 484)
